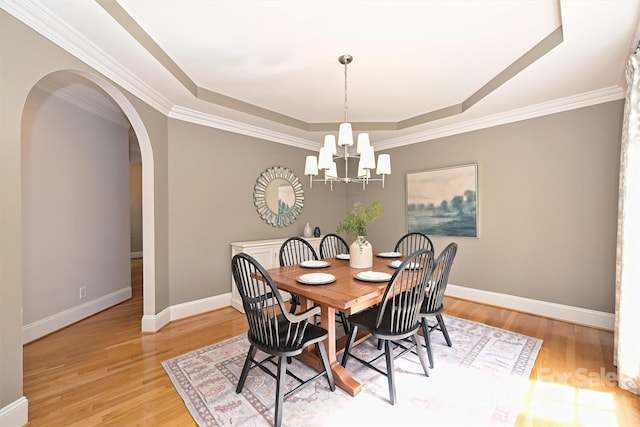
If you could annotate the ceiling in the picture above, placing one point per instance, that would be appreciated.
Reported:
(421, 69)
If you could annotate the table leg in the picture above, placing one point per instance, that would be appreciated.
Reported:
(341, 376)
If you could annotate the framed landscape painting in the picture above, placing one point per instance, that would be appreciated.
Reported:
(443, 201)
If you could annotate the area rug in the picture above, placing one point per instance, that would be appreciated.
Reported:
(481, 380)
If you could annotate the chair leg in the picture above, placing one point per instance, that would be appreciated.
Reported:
(295, 301)
(280, 380)
(443, 328)
(423, 361)
(325, 362)
(427, 340)
(247, 366)
(390, 371)
(345, 323)
(352, 335)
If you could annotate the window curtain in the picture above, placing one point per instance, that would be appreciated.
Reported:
(627, 316)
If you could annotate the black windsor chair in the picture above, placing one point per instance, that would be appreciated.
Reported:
(293, 251)
(275, 331)
(330, 246)
(396, 317)
(432, 304)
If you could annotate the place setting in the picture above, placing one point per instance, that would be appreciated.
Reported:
(316, 279)
(314, 263)
(343, 257)
(410, 266)
(373, 276)
(389, 254)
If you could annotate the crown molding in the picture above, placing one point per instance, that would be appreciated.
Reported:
(612, 93)
(209, 120)
(588, 99)
(35, 15)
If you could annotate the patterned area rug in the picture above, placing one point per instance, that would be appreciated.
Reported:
(481, 380)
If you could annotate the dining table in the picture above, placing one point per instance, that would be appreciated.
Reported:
(347, 293)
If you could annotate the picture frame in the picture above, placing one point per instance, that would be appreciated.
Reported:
(444, 201)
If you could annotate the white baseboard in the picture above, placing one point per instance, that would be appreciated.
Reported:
(237, 304)
(187, 309)
(153, 323)
(15, 414)
(580, 316)
(45, 326)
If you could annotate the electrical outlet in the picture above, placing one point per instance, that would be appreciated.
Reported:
(83, 292)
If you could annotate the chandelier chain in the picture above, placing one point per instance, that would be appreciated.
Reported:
(345, 92)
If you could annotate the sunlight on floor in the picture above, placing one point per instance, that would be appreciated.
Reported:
(559, 403)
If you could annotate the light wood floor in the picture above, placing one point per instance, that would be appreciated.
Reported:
(103, 371)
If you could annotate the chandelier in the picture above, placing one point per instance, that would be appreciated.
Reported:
(326, 159)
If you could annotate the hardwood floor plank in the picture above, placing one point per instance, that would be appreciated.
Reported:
(104, 371)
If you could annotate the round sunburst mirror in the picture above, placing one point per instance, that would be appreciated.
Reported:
(278, 196)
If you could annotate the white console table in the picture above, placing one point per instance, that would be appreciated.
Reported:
(266, 252)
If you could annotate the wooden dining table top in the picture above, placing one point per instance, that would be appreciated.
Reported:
(347, 293)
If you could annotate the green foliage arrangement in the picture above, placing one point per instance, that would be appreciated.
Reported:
(360, 216)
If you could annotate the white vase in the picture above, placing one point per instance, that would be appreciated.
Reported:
(360, 253)
(307, 231)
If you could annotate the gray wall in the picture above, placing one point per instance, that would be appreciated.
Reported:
(547, 205)
(75, 201)
(211, 178)
(135, 191)
(547, 194)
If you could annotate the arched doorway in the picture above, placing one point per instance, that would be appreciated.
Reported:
(115, 96)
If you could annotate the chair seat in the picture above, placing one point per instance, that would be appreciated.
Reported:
(425, 310)
(312, 334)
(367, 319)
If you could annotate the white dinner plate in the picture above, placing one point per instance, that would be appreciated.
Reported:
(389, 254)
(410, 266)
(343, 256)
(313, 263)
(373, 276)
(316, 278)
